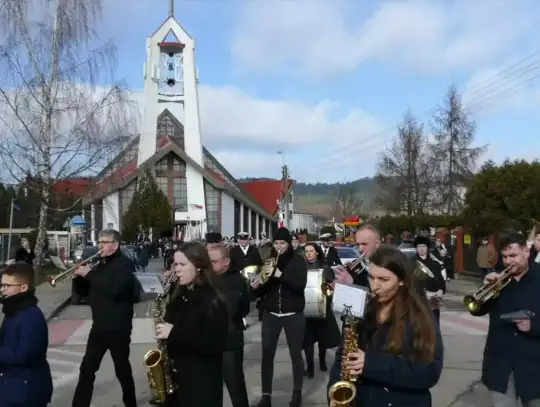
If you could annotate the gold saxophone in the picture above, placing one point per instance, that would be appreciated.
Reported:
(160, 369)
(343, 393)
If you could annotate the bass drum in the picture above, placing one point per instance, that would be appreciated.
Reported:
(315, 298)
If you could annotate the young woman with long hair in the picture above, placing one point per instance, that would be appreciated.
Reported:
(323, 331)
(400, 350)
(196, 329)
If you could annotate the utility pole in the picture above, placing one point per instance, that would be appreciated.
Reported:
(285, 173)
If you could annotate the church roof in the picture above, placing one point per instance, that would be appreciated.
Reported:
(123, 176)
(268, 192)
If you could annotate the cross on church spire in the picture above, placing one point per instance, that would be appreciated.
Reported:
(171, 8)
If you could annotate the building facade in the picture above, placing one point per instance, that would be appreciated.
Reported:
(202, 193)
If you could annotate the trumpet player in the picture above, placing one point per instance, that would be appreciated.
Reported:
(283, 309)
(511, 364)
(368, 240)
(399, 356)
(196, 329)
(434, 287)
(112, 295)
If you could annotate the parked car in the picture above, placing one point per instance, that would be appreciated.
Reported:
(347, 254)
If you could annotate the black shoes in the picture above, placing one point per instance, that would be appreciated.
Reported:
(266, 401)
(296, 400)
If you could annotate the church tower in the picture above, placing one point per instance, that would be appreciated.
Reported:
(170, 86)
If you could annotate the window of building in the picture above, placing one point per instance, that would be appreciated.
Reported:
(127, 195)
(162, 166)
(245, 220)
(180, 194)
(254, 224)
(213, 201)
(261, 225)
(167, 125)
(163, 184)
(237, 218)
(290, 198)
(179, 165)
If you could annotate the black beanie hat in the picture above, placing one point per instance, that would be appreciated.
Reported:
(422, 240)
(213, 237)
(283, 234)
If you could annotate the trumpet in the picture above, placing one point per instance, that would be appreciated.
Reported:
(327, 289)
(358, 265)
(264, 272)
(486, 292)
(68, 273)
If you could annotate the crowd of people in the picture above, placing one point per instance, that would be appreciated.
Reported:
(398, 349)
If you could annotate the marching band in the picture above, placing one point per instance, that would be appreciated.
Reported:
(390, 355)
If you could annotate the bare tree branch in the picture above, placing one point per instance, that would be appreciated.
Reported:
(347, 203)
(405, 170)
(456, 159)
(56, 123)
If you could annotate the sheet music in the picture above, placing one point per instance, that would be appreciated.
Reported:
(151, 283)
(254, 277)
(353, 296)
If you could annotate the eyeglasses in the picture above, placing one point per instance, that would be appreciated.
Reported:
(9, 285)
(106, 241)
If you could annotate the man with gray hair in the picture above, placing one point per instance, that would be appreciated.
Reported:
(112, 295)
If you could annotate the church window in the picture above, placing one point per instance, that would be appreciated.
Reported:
(163, 184)
(180, 194)
(162, 166)
(168, 126)
(179, 165)
(213, 201)
(127, 195)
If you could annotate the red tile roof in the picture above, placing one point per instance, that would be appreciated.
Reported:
(77, 187)
(267, 192)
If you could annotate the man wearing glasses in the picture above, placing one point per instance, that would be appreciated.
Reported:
(112, 295)
(23, 339)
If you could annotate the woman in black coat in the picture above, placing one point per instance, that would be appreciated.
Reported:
(323, 331)
(197, 332)
(399, 356)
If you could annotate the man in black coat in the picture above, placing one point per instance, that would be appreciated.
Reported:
(511, 365)
(283, 309)
(244, 254)
(112, 295)
(235, 288)
(330, 252)
(213, 239)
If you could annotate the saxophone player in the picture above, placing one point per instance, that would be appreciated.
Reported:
(197, 329)
(399, 354)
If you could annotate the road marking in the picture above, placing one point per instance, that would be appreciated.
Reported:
(65, 352)
(143, 332)
(454, 328)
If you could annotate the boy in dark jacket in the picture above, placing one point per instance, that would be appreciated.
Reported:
(24, 339)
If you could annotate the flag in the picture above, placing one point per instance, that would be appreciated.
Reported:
(16, 206)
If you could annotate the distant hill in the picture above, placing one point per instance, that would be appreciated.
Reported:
(318, 198)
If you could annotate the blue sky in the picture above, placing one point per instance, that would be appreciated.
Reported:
(327, 81)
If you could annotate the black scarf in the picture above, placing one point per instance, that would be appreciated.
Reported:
(19, 302)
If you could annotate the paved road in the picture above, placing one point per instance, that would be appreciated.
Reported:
(464, 338)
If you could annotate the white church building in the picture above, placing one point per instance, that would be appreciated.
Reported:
(201, 191)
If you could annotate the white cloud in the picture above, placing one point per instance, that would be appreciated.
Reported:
(322, 37)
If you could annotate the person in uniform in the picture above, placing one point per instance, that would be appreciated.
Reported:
(244, 254)
(434, 287)
(284, 302)
(330, 253)
(323, 331)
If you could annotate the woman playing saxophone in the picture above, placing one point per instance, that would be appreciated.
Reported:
(399, 355)
(196, 330)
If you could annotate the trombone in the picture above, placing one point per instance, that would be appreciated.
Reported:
(68, 273)
(474, 302)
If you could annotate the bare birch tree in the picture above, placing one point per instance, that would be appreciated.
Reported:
(453, 133)
(55, 121)
(347, 203)
(404, 170)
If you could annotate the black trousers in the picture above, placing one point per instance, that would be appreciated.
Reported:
(437, 313)
(272, 325)
(117, 342)
(233, 376)
(309, 350)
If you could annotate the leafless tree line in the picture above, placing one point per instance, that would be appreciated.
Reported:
(56, 122)
(425, 171)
